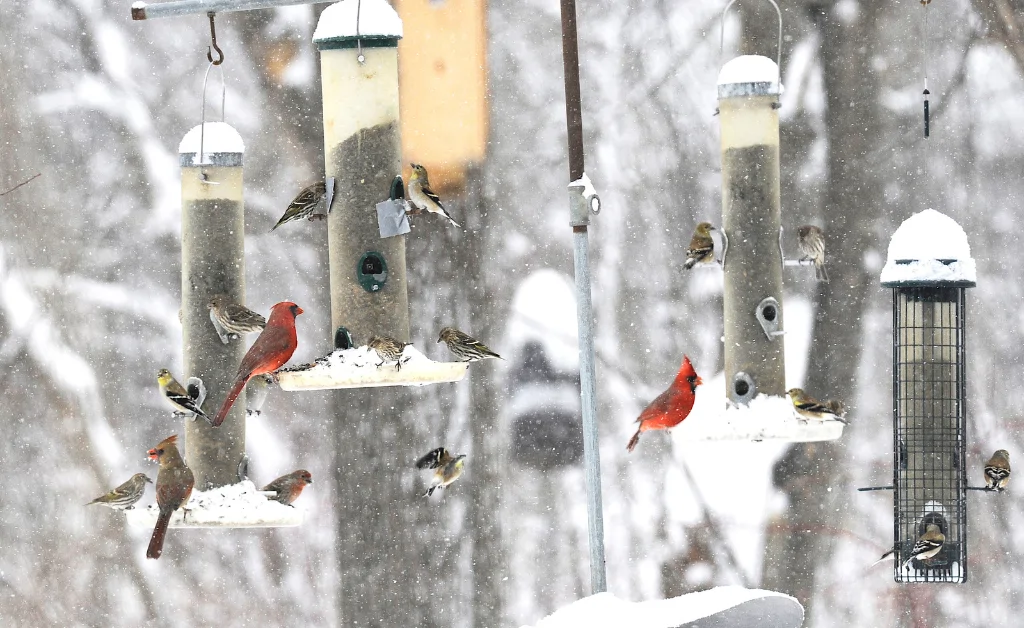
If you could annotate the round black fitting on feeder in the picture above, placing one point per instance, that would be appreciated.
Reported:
(744, 389)
(372, 271)
(343, 339)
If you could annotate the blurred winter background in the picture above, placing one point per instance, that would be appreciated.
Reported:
(89, 292)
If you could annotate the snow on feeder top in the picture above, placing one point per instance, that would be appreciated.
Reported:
(749, 75)
(373, 22)
(219, 142)
(929, 249)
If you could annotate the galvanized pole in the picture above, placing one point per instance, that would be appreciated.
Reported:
(580, 207)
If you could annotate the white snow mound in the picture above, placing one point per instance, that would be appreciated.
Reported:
(749, 69)
(929, 247)
(234, 506)
(376, 19)
(219, 137)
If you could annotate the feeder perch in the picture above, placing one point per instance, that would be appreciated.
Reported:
(233, 506)
(357, 368)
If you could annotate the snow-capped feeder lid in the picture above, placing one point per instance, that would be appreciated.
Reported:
(929, 249)
(221, 146)
(749, 75)
(351, 23)
(234, 506)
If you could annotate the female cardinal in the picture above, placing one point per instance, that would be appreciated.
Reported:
(274, 346)
(174, 484)
(671, 406)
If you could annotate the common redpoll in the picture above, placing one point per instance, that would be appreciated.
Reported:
(447, 468)
(465, 347)
(125, 496)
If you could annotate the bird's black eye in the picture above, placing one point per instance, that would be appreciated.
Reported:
(159, 451)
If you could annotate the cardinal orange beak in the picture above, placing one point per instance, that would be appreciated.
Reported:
(699, 380)
(152, 454)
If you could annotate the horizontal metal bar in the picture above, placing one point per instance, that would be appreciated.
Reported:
(982, 488)
(177, 8)
(876, 488)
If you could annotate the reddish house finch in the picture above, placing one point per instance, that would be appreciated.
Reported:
(289, 487)
(232, 320)
(125, 496)
(389, 350)
(465, 347)
(303, 205)
(811, 242)
(670, 407)
(447, 468)
(274, 346)
(810, 409)
(183, 403)
(702, 246)
(422, 197)
(997, 470)
(174, 484)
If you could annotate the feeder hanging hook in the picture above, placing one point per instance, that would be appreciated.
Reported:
(213, 43)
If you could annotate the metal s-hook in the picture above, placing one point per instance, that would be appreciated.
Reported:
(213, 42)
(778, 50)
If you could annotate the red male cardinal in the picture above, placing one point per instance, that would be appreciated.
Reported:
(174, 484)
(274, 346)
(671, 406)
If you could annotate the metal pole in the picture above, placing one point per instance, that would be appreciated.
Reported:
(579, 211)
(144, 11)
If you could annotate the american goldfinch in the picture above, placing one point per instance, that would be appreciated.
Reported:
(256, 392)
(389, 350)
(125, 496)
(422, 197)
(303, 205)
(465, 347)
(997, 470)
(928, 544)
(811, 242)
(702, 246)
(809, 408)
(289, 487)
(176, 395)
(174, 484)
(233, 320)
(447, 468)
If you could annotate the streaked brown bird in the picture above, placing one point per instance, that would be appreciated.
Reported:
(702, 246)
(303, 205)
(174, 484)
(289, 487)
(232, 320)
(124, 497)
(447, 468)
(997, 470)
(389, 350)
(811, 242)
(465, 347)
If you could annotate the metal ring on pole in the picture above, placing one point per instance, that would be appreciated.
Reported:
(778, 50)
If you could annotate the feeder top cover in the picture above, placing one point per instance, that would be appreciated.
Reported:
(219, 137)
(929, 249)
(749, 75)
(377, 20)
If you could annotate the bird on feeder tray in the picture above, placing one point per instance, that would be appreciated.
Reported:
(303, 205)
(422, 197)
(928, 545)
(232, 320)
(174, 484)
(811, 242)
(389, 350)
(702, 246)
(183, 402)
(997, 470)
(447, 468)
(124, 497)
(287, 488)
(810, 409)
(671, 407)
(465, 347)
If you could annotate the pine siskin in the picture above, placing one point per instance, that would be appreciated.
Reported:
(447, 468)
(289, 487)
(124, 497)
(256, 392)
(809, 408)
(928, 545)
(303, 205)
(465, 347)
(389, 350)
(422, 197)
(997, 470)
(702, 246)
(177, 396)
(811, 242)
(233, 320)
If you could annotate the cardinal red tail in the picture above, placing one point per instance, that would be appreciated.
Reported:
(633, 441)
(230, 401)
(156, 543)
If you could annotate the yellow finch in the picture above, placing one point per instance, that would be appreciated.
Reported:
(997, 470)
(809, 408)
(125, 496)
(702, 246)
(422, 197)
(928, 544)
(176, 395)
(811, 242)
(447, 468)
(465, 347)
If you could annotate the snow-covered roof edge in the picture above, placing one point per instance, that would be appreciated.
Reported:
(929, 249)
(377, 20)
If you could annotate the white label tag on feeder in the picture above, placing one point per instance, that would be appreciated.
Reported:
(330, 193)
(391, 218)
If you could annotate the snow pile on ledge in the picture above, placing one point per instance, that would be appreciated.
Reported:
(357, 368)
(234, 506)
(764, 418)
(928, 248)
(219, 137)
(376, 20)
(726, 606)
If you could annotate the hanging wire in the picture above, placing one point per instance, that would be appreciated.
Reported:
(924, 65)
(202, 116)
(778, 49)
(360, 57)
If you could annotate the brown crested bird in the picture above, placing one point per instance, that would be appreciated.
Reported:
(997, 470)
(174, 484)
(811, 242)
(809, 408)
(447, 468)
(303, 205)
(422, 197)
(465, 347)
(389, 350)
(124, 497)
(702, 246)
(289, 487)
(232, 320)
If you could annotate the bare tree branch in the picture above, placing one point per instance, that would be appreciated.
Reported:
(8, 191)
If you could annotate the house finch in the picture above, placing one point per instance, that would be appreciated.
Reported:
(256, 392)
(389, 350)
(447, 468)
(997, 470)
(702, 246)
(273, 347)
(810, 409)
(670, 407)
(304, 204)
(465, 347)
(811, 242)
(422, 197)
(174, 484)
(125, 496)
(289, 487)
(176, 395)
(233, 320)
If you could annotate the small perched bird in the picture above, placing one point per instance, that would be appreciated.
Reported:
(303, 205)
(232, 320)
(837, 408)
(671, 407)
(447, 468)
(702, 246)
(928, 544)
(256, 392)
(183, 403)
(125, 496)
(465, 347)
(997, 470)
(422, 197)
(273, 347)
(811, 242)
(810, 409)
(389, 350)
(174, 484)
(289, 487)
